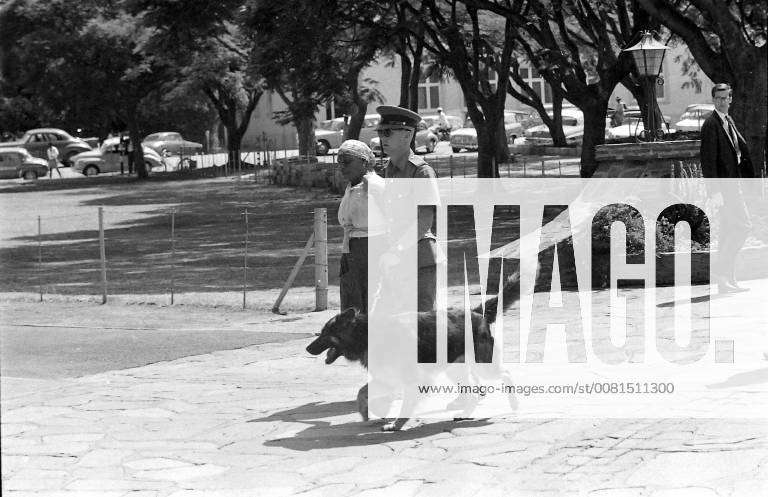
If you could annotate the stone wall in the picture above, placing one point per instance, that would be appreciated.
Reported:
(645, 160)
(307, 172)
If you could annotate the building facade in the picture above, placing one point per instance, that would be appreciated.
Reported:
(673, 96)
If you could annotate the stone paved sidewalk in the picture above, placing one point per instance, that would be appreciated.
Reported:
(269, 420)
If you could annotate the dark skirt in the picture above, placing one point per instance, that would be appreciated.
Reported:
(353, 275)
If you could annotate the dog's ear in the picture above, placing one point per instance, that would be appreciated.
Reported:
(349, 314)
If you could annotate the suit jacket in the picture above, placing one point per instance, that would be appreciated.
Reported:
(718, 152)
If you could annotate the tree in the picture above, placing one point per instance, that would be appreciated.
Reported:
(454, 34)
(82, 59)
(728, 40)
(297, 58)
(576, 47)
(210, 56)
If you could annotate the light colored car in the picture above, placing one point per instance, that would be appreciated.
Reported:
(17, 162)
(106, 159)
(694, 116)
(466, 137)
(633, 125)
(36, 142)
(172, 142)
(573, 128)
(424, 142)
(329, 134)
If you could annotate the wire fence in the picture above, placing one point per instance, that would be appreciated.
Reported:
(165, 258)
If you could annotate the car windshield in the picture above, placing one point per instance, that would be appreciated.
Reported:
(468, 123)
(163, 136)
(570, 121)
(332, 125)
(696, 114)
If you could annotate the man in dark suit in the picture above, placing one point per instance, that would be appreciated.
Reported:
(724, 154)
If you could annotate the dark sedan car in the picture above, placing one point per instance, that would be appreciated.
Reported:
(36, 142)
(16, 162)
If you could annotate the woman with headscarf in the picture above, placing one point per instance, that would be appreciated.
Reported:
(360, 223)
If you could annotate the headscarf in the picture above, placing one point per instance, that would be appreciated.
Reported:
(356, 148)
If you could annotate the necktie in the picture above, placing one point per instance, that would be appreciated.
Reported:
(734, 138)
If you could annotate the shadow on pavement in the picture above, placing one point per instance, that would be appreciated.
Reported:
(325, 435)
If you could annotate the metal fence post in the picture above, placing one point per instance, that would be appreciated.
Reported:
(173, 252)
(245, 258)
(321, 259)
(542, 168)
(103, 256)
(40, 256)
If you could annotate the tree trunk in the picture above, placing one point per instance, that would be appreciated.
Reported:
(305, 126)
(138, 151)
(502, 145)
(234, 140)
(555, 124)
(487, 140)
(357, 117)
(594, 134)
(405, 78)
(413, 84)
(750, 107)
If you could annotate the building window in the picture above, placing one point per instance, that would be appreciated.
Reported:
(491, 77)
(537, 83)
(429, 92)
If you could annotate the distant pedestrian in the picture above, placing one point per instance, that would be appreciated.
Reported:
(129, 152)
(618, 115)
(53, 159)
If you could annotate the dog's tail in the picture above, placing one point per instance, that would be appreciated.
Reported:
(509, 295)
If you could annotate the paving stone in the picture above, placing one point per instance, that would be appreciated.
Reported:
(11, 429)
(617, 492)
(72, 437)
(154, 463)
(106, 484)
(29, 484)
(182, 473)
(103, 457)
(399, 488)
(685, 492)
(686, 469)
(331, 466)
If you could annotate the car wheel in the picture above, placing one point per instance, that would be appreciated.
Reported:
(91, 171)
(456, 150)
(322, 147)
(29, 174)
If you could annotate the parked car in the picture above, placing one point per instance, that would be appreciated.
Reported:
(425, 140)
(694, 116)
(466, 137)
(633, 125)
(106, 159)
(329, 134)
(172, 142)
(36, 142)
(17, 162)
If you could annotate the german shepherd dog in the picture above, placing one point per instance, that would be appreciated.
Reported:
(346, 334)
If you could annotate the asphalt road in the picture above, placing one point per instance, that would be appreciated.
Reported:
(61, 352)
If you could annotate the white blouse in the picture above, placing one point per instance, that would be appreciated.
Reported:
(357, 216)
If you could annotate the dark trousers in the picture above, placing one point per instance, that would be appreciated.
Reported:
(734, 228)
(353, 276)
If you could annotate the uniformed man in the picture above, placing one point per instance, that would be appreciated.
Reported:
(397, 129)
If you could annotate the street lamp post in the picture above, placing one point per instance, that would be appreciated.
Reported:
(648, 54)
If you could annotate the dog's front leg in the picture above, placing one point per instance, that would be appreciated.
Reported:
(406, 410)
